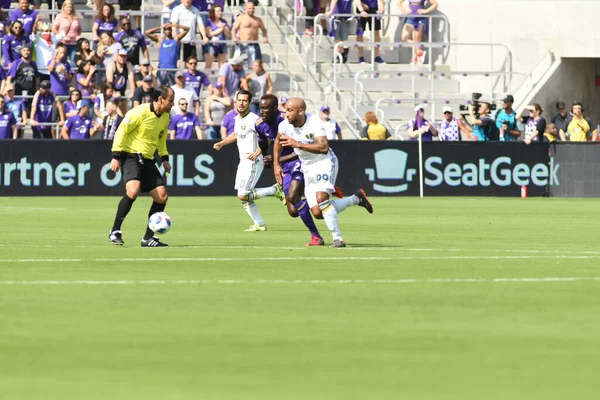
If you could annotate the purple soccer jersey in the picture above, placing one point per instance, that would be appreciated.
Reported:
(229, 121)
(79, 127)
(7, 121)
(184, 125)
(44, 108)
(196, 81)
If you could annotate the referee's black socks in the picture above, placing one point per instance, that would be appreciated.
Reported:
(122, 211)
(156, 207)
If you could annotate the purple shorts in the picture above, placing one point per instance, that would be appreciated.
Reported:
(292, 171)
(417, 23)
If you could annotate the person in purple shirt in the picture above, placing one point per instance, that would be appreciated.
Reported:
(42, 107)
(184, 124)
(414, 27)
(80, 126)
(194, 78)
(23, 72)
(8, 122)
(368, 9)
(27, 17)
(228, 124)
(133, 41)
(13, 42)
(60, 71)
(70, 105)
(419, 126)
(104, 21)
(293, 179)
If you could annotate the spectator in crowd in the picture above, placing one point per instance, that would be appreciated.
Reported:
(168, 6)
(368, 9)
(105, 21)
(96, 4)
(282, 101)
(228, 124)
(38, 3)
(309, 23)
(232, 75)
(42, 106)
(580, 128)
(3, 80)
(8, 122)
(420, 126)
(186, 14)
(25, 15)
(85, 52)
(248, 25)
(168, 53)
(133, 41)
(506, 121)
(143, 94)
(70, 106)
(100, 111)
(184, 124)
(119, 73)
(416, 27)
(449, 127)
(16, 106)
(86, 82)
(551, 134)
(182, 91)
(112, 120)
(68, 23)
(215, 108)
(216, 29)
(23, 72)
(341, 25)
(483, 126)
(561, 120)
(145, 70)
(374, 130)
(535, 124)
(13, 42)
(108, 49)
(79, 126)
(60, 72)
(332, 129)
(260, 83)
(194, 78)
(132, 5)
(45, 44)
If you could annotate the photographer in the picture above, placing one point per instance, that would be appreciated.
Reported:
(484, 127)
(506, 121)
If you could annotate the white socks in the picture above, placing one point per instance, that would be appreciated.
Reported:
(330, 215)
(262, 192)
(341, 204)
(252, 210)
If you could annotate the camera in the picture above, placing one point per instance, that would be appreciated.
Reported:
(475, 103)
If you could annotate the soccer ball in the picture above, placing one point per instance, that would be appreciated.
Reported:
(159, 223)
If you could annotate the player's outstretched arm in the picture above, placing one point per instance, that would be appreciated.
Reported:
(321, 146)
(228, 140)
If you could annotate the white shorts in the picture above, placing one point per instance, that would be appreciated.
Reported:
(247, 175)
(319, 177)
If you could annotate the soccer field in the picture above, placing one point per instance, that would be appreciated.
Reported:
(436, 298)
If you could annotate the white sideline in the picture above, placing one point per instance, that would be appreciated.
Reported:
(300, 281)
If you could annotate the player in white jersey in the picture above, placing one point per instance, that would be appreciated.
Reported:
(251, 161)
(306, 135)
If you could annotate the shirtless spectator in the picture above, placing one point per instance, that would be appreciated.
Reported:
(248, 25)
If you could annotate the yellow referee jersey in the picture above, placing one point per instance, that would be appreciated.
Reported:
(142, 131)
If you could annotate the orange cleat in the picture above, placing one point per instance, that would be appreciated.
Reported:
(316, 241)
(338, 192)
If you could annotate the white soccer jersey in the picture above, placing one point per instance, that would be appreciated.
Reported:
(306, 134)
(247, 137)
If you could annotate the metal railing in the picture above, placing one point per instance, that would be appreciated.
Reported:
(318, 36)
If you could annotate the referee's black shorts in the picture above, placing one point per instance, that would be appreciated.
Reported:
(137, 168)
(367, 21)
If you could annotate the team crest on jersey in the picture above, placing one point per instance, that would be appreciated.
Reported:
(243, 127)
(310, 136)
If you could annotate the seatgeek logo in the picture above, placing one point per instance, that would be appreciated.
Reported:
(391, 175)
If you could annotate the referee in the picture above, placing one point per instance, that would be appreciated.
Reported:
(143, 131)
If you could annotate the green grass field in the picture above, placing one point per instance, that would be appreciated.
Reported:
(432, 299)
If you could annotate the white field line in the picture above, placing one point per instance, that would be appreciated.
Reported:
(298, 281)
(218, 259)
(32, 208)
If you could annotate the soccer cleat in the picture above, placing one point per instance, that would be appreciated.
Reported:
(337, 243)
(116, 238)
(279, 193)
(256, 228)
(363, 201)
(153, 242)
(316, 241)
(338, 192)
